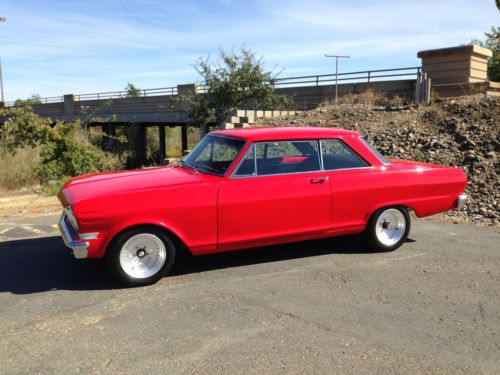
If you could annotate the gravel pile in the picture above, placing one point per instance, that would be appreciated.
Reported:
(462, 133)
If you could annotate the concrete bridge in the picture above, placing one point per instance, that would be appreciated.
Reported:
(453, 71)
(169, 106)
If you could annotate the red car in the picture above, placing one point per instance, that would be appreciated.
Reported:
(247, 188)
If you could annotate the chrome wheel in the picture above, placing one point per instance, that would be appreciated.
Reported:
(143, 255)
(390, 227)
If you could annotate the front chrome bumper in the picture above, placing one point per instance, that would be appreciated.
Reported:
(80, 248)
(461, 200)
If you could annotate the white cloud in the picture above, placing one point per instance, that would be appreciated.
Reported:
(81, 46)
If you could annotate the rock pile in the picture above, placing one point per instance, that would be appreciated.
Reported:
(463, 133)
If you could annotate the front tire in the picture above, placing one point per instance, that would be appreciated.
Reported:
(140, 256)
(388, 228)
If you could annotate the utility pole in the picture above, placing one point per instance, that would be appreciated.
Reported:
(2, 19)
(337, 57)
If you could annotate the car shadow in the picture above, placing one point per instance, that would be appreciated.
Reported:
(43, 264)
(338, 245)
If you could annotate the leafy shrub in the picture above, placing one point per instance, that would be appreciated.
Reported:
(23, 128)
(64, 148)
(65, 155)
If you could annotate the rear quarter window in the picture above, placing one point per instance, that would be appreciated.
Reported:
(337, 155)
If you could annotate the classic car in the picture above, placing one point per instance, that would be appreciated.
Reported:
(251, 187)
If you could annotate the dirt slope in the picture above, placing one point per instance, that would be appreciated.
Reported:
(463, 133)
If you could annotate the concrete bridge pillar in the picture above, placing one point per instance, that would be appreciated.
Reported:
(69, 104)
(142, 141)
(163, 145)
(136, 135)
(184, 138)
(109, 137)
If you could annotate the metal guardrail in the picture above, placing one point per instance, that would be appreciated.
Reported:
(316, 80)
(361, 76)
(125, 94)
(48, 100)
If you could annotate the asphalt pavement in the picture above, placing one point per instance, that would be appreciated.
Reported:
(317, 307)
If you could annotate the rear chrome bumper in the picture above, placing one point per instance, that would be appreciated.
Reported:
(80, 248)
(461, 200)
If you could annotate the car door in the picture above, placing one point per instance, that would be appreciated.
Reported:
(277, 193)
(353, 183)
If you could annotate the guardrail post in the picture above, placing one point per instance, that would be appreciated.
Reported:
(427, 91)
(317, 80)
(369, 73)
(418, 87)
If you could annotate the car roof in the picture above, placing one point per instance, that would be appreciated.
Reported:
(284, 133)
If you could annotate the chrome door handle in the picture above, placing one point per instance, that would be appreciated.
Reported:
(319, 180)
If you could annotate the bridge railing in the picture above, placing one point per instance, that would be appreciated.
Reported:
(125, 94)
(314, 80)
(48, 100)
(361, 76)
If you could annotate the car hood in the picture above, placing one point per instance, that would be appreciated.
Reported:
(101, 185)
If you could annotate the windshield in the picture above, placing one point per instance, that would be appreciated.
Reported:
(376, 152)
(213, 155)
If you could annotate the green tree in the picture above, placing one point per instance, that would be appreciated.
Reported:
(231, 82)
(66, 154)
(23, 128)
(35, 99)
(492, 42)
(132, 91)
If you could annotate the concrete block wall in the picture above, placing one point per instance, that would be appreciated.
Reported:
(461, 64)
(243, 118)
(458, 71)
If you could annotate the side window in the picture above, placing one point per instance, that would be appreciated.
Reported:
(336, 155)
(287, 157)
(247, 164)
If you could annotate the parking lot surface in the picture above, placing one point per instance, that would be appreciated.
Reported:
(329, 306)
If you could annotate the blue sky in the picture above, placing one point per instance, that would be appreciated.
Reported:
(59, 47)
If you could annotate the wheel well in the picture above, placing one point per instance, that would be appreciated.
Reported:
(406, 207)
(179, 244)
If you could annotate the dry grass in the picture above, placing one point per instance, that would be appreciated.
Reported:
(18, 170)
(24, 206)
(367, 98)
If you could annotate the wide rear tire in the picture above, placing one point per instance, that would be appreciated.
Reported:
(388, 228)
(140, 256)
